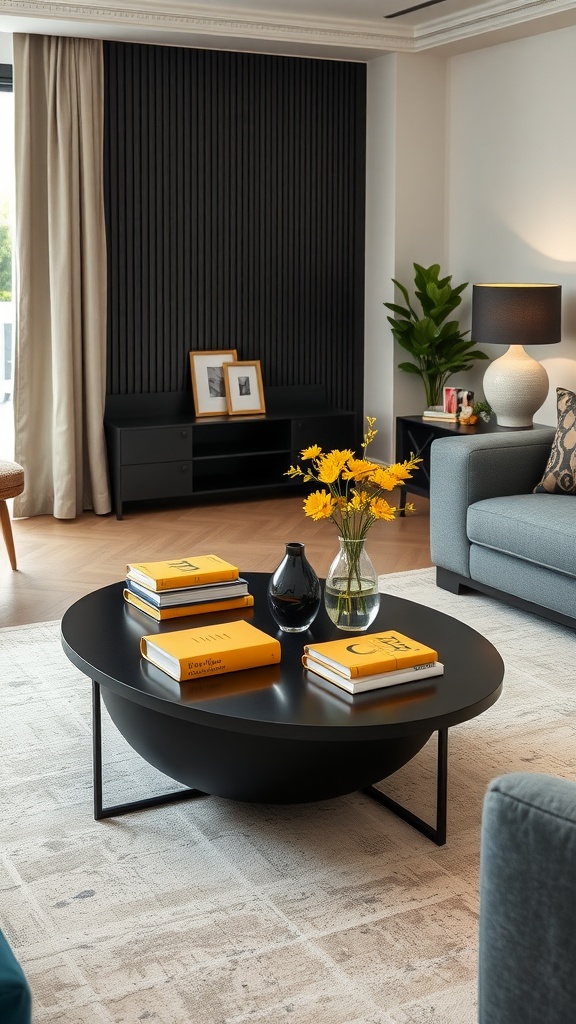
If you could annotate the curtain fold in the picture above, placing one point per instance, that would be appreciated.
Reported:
(60, 370)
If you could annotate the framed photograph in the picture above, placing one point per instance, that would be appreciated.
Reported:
(450, 403)
(465, 404)
(208, 386)
(244, 390)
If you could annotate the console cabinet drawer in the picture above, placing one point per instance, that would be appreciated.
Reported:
(157, 480)
(156, 444)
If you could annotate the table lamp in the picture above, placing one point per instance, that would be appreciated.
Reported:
(516, 385)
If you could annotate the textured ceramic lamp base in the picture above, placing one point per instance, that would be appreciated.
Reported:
(515, 385)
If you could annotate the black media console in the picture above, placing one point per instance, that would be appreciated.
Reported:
(158, 449)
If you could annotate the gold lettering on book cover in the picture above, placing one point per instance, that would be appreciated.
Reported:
(378, 643)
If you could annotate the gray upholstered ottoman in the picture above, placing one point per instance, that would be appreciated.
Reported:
(527, 969)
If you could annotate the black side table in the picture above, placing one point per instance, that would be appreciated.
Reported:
(414, 435)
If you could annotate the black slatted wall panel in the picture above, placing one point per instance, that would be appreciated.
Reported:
(235, 216)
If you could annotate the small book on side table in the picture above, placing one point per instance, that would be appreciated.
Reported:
(447, 417)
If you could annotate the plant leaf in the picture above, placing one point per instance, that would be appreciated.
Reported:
(436, 343)
(410, 368)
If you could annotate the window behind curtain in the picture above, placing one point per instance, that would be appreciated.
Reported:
(6, 276)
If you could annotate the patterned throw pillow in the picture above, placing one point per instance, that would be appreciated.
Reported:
(560, 473)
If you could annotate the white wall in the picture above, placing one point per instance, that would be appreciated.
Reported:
(420, 191)
(405, 222)
(380, 255)
(512, 180)
(471, 163)
(5, 47)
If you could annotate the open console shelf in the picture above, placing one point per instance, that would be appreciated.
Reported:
(157, 449)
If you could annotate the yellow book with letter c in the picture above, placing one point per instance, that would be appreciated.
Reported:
(386, 651)
(182, 572)
(210, 650)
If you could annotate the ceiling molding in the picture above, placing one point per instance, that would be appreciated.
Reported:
(177, 17)
(484, 18)
(178, 21)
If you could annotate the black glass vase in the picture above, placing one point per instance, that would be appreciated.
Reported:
(294, 591)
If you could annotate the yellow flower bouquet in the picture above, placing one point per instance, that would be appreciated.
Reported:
(353, 498)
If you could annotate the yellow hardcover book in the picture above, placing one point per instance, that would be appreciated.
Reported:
(180, 610)
(210, 650)
(182, 572)
(386, 651)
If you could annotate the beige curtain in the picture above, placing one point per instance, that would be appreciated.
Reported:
(60, 276)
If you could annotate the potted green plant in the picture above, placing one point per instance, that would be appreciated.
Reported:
(437, 345)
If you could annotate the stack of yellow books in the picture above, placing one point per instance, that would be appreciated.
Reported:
(362, 663)
(210, 650)
(185, 586)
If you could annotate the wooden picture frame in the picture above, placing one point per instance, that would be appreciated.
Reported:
(208, 384)
(244, 388)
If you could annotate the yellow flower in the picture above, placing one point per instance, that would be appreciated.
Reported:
(358, 469)
(359, 501)
(331, 465)
(352, 493)
(384, 478)
(319, 505)
(380, 509)
(311, 453)
(370, 433)
(401, 470)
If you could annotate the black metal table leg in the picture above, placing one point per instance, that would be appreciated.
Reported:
(135, 805)
(436, 834)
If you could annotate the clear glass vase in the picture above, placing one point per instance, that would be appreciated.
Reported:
(351, 591)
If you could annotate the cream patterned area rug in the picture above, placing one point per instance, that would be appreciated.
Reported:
(213, 912)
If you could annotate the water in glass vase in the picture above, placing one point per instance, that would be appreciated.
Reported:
(351, 596)
(351, 611)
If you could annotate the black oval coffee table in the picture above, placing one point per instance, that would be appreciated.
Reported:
(272, 734)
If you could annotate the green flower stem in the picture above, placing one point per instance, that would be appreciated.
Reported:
(353, 548)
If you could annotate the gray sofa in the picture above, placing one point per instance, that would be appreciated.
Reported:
(489, 532)
(15, 997)
(527, 947)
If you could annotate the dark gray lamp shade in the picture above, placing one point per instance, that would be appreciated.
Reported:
(516, 314)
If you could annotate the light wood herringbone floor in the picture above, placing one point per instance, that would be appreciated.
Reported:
(61, 560)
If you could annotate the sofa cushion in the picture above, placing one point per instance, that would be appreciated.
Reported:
(540, 587)
(538, 528)
(560, 473)
(15, 1000)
